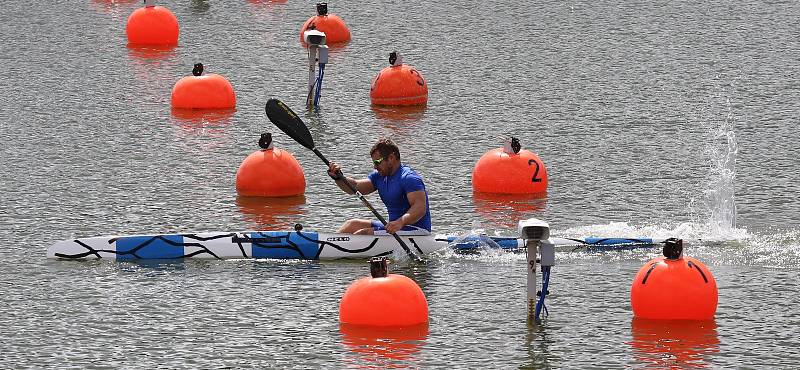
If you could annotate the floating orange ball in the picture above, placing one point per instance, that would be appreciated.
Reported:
(152, 25)
(335, 29)
(501, 172)
(394, 300)
(674, 289)
(270, 173)
(399, 85)
(210, 91)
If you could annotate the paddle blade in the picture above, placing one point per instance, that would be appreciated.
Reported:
(289, 122)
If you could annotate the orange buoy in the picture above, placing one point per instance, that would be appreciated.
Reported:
(398, 84)
(152, 25)
(211, 91)
(385, 300)
(509, 170)
(674, 287)
(270, 172)
(335, 29)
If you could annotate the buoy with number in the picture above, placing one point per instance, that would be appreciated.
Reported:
(383, 299)
(398, 84)
(199, 91)
(270, 172)
(152, 25)
(674, 287)
(332, 25)
(510, 170)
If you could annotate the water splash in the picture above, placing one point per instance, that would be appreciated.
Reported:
(720, 197)
(483, 247)
(476, 237)
(690, 231)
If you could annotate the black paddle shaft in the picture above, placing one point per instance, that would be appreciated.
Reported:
(288, 121)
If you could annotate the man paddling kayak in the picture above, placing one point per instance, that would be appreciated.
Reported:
(401, 189)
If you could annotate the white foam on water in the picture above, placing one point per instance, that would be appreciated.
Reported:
(486, 249)
(685, 230)
(400, 256)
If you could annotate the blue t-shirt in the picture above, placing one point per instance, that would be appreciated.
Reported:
(393, 190)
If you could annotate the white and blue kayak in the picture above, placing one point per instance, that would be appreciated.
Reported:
(296, 245)
(231, 245)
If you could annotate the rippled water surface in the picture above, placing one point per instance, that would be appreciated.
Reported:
(662, 119)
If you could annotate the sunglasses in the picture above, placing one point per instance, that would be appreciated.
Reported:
(377, 162)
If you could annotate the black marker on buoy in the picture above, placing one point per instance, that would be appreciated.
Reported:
(198, 69)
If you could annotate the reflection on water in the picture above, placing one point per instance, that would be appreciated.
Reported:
(536, 342)
(148, 54)
(109, 6)
(674, 343)
(272, 213)
(152, 66)
(400, 120)
(503, 211)
(154, 267)
(399, 113)
(111, 3)
(380, 348)
(267, 2)
(204, 129)
(192, 119)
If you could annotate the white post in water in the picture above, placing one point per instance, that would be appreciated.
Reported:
(317, 53)
(533, 231)
(530, 253)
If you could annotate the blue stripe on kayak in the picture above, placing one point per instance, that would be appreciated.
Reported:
(473, 242)
(613, 241)
(284, 245)
(507, 243)
(150, 247)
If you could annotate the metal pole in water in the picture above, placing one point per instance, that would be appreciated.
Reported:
(312, 63)
(316, 41)
(534, 232)
(531, 252)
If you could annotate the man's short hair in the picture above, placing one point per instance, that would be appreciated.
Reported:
(385, 147)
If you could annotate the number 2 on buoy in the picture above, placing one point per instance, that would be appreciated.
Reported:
(536, 171)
